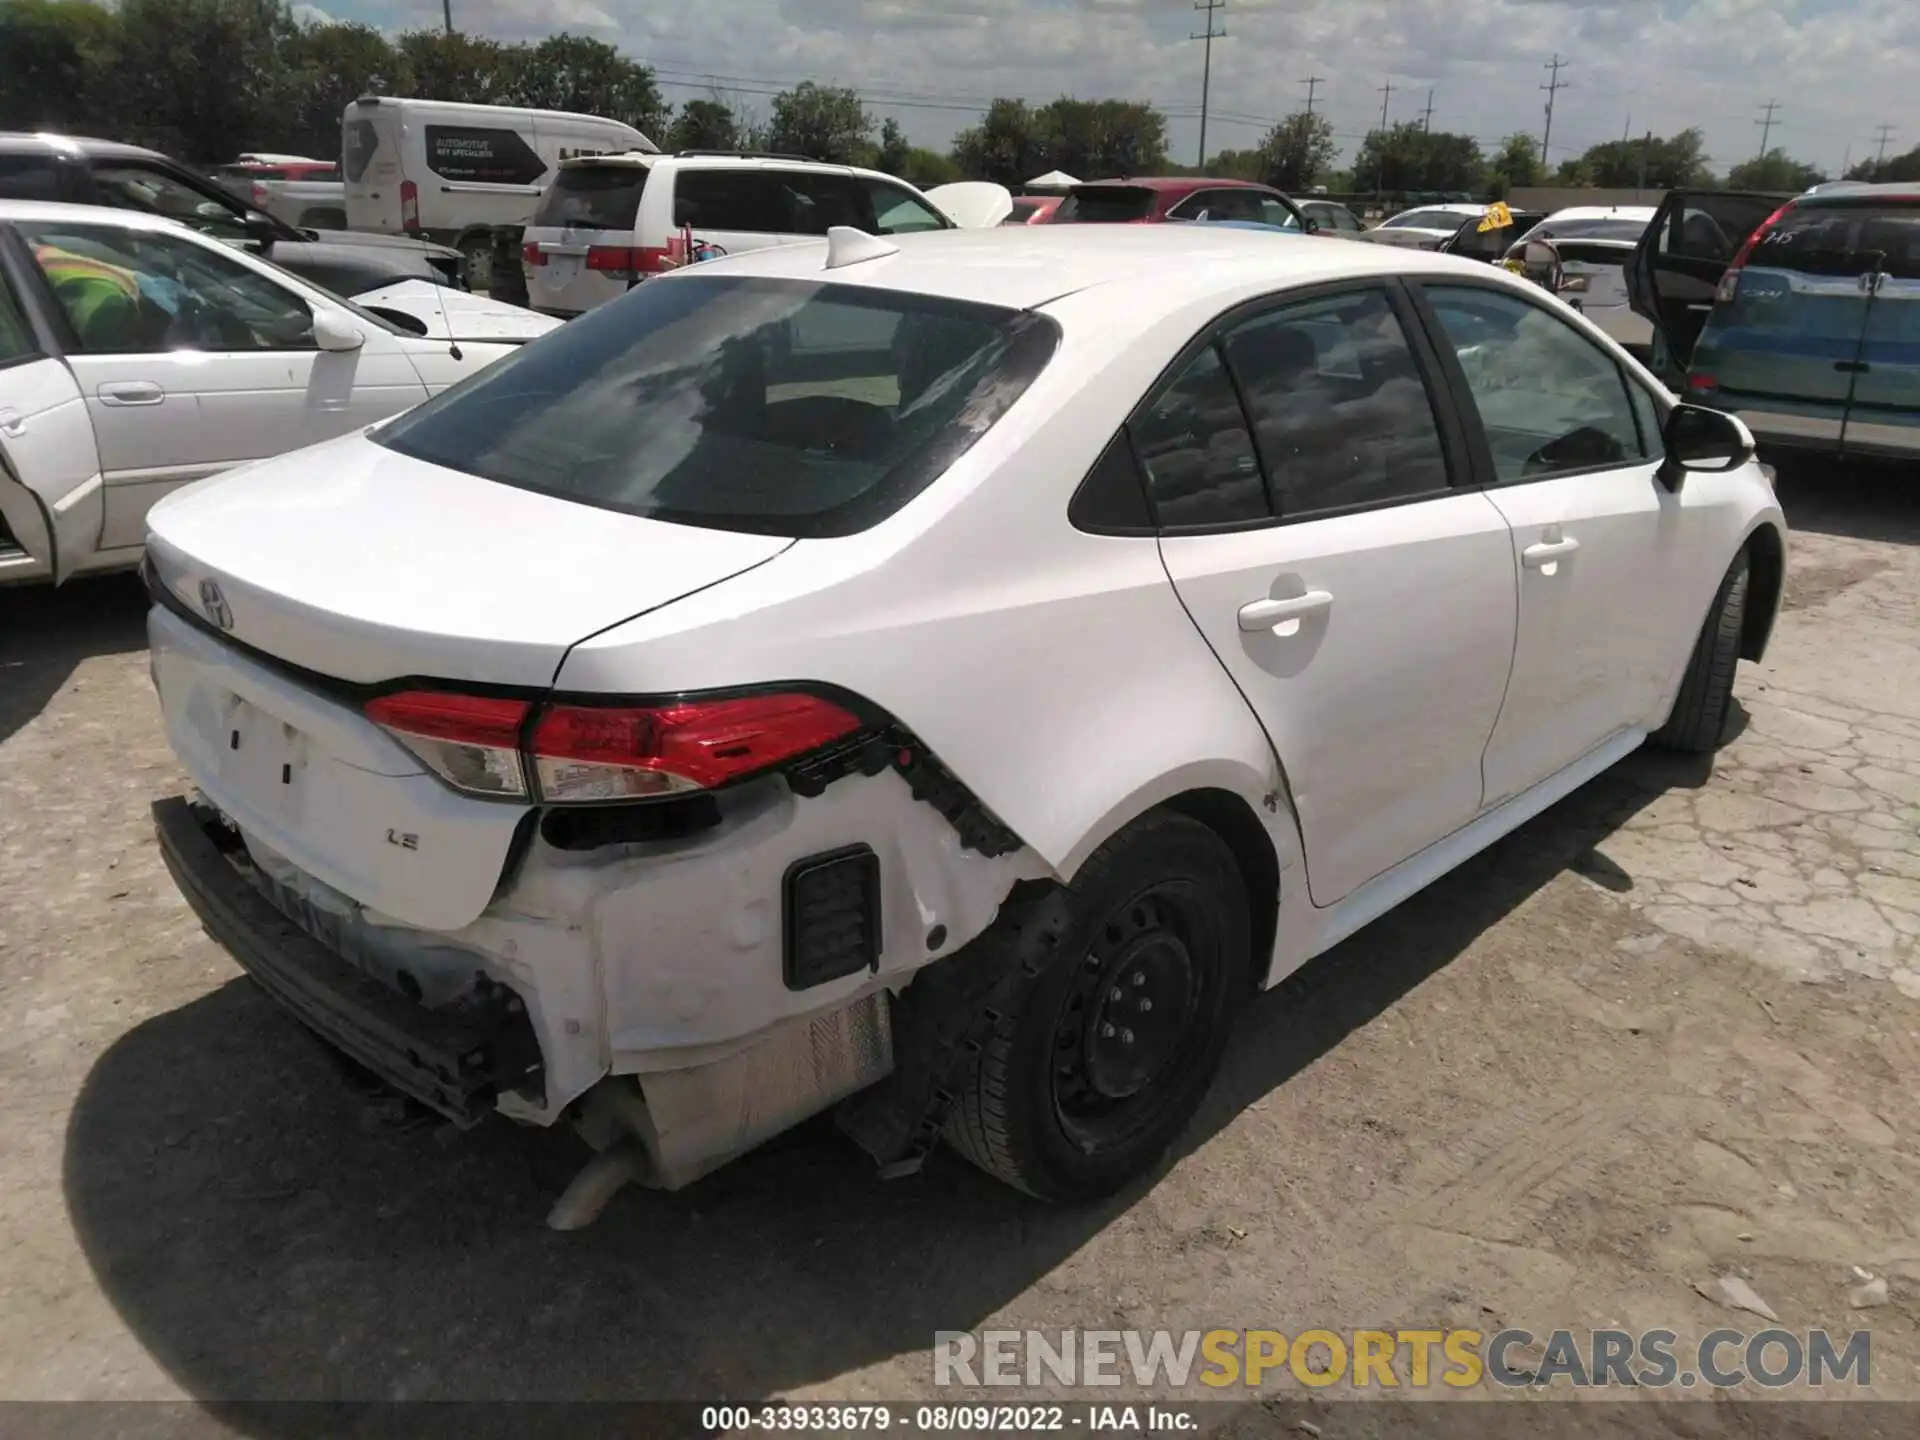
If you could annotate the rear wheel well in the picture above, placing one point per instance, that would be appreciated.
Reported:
(1234, 821)
(1766, 561)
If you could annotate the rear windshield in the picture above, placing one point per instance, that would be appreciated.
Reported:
(1845, 238)
(778, 407)
(359, 141)
(593, 197)
(1606, 228)
(1446, 220)
(1023, 210)
(1104, 205)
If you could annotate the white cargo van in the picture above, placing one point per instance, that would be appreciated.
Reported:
(456, 173)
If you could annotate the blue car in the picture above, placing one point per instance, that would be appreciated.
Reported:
(1800, 315)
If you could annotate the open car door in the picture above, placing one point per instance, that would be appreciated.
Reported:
(52, 502)
(1679, 261)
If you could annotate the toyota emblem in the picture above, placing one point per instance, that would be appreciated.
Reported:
(215, 604)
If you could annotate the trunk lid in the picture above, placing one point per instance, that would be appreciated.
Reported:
(365, 565)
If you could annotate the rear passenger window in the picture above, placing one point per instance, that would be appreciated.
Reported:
(731, 200)
(1339, 409)
(1194, 445)
(1549, 398)
(16, 340)
(30, 177)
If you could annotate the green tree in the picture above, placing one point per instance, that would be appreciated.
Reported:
(328, 68)
(439, 66)
(1651, 162)
(894, 149)
(1901, 167)
(1516, 164)
(52, 55)
(1296, 151)
(1775, 170)
(1410, 157)
(927, 168)
(1005, 146)
(200, 78)
(573, 72)
(705, 125)
(820, 122)
(1096, 139)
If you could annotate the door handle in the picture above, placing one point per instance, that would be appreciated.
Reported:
(12, 424)
(1547, 551)
(1265, 614)
(130, 392)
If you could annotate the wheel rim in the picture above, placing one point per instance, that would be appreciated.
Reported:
(1125, 1042)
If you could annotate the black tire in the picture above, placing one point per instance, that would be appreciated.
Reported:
(1699, 715)
(476, 253)
(1071, 1090)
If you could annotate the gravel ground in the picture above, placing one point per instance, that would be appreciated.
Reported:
(1668, 1031)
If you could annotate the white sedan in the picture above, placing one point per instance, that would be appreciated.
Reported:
(137, 355)
(943, 677)
(1426, 228)
(1594, 244)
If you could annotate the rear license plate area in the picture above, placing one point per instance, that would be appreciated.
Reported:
(263, 760)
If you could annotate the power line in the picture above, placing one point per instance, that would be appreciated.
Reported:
(1426, 116)
(1312, 82)
(1766, 125)
(1207, 8)
(1386, 98)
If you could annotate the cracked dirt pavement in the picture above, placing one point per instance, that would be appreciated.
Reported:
(1668, 1031)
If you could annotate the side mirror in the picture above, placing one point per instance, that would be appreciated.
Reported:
(260, 228)
(1310, 225)
(334, 334)
(1710, 441)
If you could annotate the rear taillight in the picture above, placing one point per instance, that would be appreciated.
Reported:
(409, 205)
(532, 253)
(577, 754)
(259, 196)
(1729, 287)
(1703, 382)
(590, 752)
(471, 742)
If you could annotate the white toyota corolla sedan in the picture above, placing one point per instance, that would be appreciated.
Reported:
(943, 677)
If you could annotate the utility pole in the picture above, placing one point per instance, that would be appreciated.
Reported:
(1426, 116)
(1766, 125)
(1885, 132)
(1845, 161)
(1386, 98)
(1626, 128)
(1553, 86)
(446, 10)
(1207, 8)
(1312, 82)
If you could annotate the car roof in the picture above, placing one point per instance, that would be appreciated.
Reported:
(16, 142)
(1172, 182)
(1861, 190)
(1448, 207)
(1025, 267)
(1603, 212)
(54, 210)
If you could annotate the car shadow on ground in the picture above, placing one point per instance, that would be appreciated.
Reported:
(45, 633)
(267, 1234)
(1857, 500)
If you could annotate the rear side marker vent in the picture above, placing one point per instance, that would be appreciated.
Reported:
(831, 916)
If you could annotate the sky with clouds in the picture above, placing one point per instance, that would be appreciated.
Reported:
(1838, 68)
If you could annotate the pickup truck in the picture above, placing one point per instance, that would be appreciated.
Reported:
(309, 193)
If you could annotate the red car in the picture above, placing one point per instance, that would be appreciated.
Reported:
(1140, 200)
(1032, 209)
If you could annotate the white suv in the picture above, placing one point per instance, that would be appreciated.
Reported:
(609, 221)
(959, 670)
